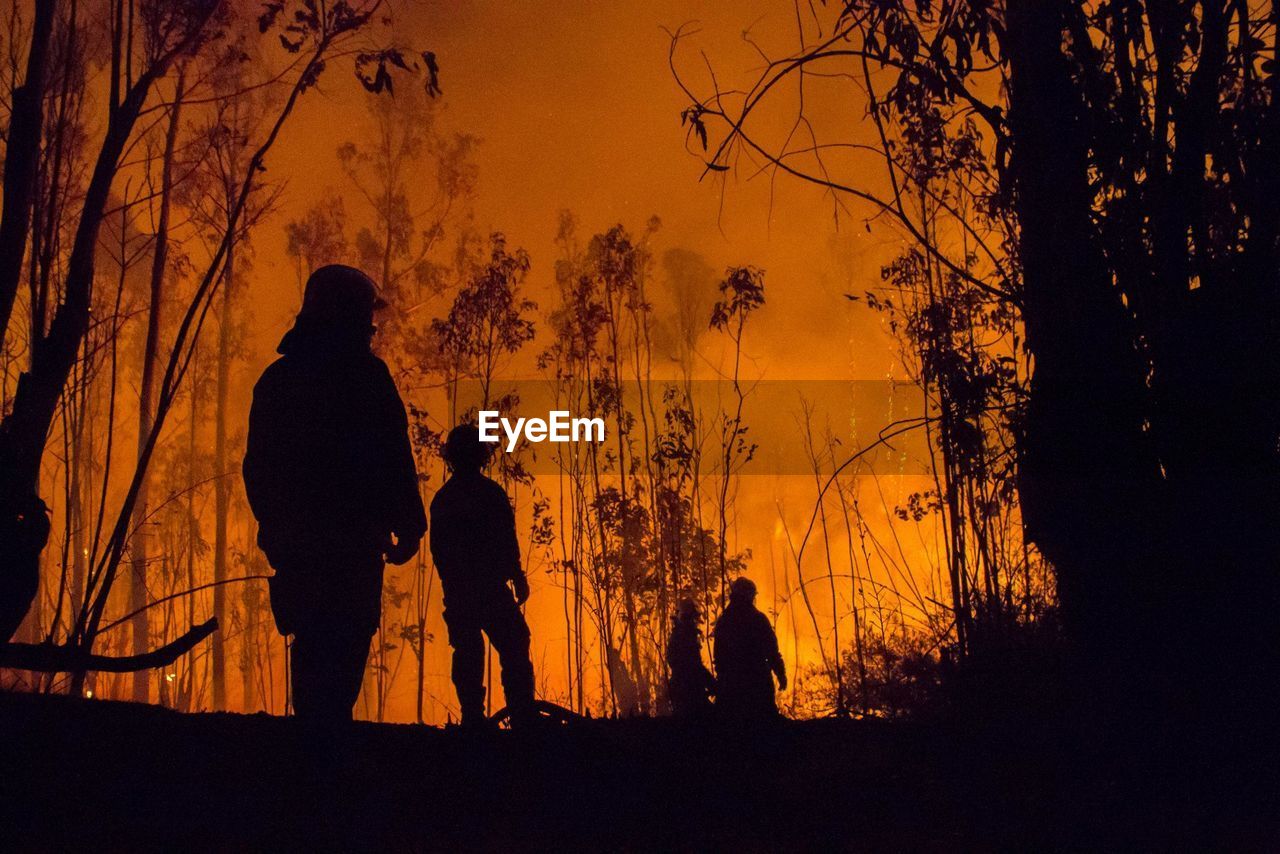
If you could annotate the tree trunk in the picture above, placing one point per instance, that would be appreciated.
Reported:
(24, 528)
(146, 396)
(22, 155)
(222, 482)
(1089, 477)
(193, 523)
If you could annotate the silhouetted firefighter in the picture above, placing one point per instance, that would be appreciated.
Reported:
(746, 657)
(691, 684)
(473, 541)
(330, 477)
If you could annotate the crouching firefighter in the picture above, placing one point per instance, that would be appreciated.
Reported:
(330, 477)
(474, 545)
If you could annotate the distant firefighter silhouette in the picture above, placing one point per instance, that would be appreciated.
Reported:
(691, 685)
(746, 657)
(330, 477)
(473, 542)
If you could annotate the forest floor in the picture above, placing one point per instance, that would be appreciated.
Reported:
(95, 775)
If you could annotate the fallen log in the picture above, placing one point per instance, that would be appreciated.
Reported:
(51, 658)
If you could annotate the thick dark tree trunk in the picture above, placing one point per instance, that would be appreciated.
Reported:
(24, 528)
(1150, 475)
(25, 429)
(1089, 476)
(22, 154)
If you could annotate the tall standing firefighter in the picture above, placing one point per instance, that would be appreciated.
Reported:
(330, 477)
(474, 545)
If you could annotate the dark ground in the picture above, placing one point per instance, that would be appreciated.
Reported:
(94, 775)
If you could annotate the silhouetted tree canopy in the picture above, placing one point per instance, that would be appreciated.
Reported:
(1108, 170)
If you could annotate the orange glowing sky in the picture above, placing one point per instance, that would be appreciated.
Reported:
(577, 110)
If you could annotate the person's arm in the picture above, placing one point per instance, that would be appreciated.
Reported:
(266, 467)
(508, 543)
(408, 517)
(775, 655)
(708, 680)
(261, 463)
(437, 539)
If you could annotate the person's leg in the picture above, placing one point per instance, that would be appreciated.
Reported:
(306, 674)
(328, 668)
(468, 663)
(730, 703)
(509, 634)
(350, 655)
(332, 614)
